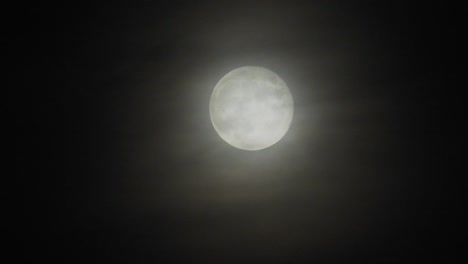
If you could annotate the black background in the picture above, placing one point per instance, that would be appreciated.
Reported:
(117, 162)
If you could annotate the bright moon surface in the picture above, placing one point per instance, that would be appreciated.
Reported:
(251, 108)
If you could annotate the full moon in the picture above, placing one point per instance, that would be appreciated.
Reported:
(251, 108)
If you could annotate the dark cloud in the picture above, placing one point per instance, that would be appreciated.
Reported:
(126, 166)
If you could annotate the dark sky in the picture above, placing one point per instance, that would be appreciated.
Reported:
(117, 160)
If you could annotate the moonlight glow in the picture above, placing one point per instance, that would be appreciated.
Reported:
(251, 108)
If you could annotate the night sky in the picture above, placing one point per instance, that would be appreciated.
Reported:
(117, 161)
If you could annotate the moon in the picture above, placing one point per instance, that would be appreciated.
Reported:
(251, 108)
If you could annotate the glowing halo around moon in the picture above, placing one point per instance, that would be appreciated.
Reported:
(251, 108)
